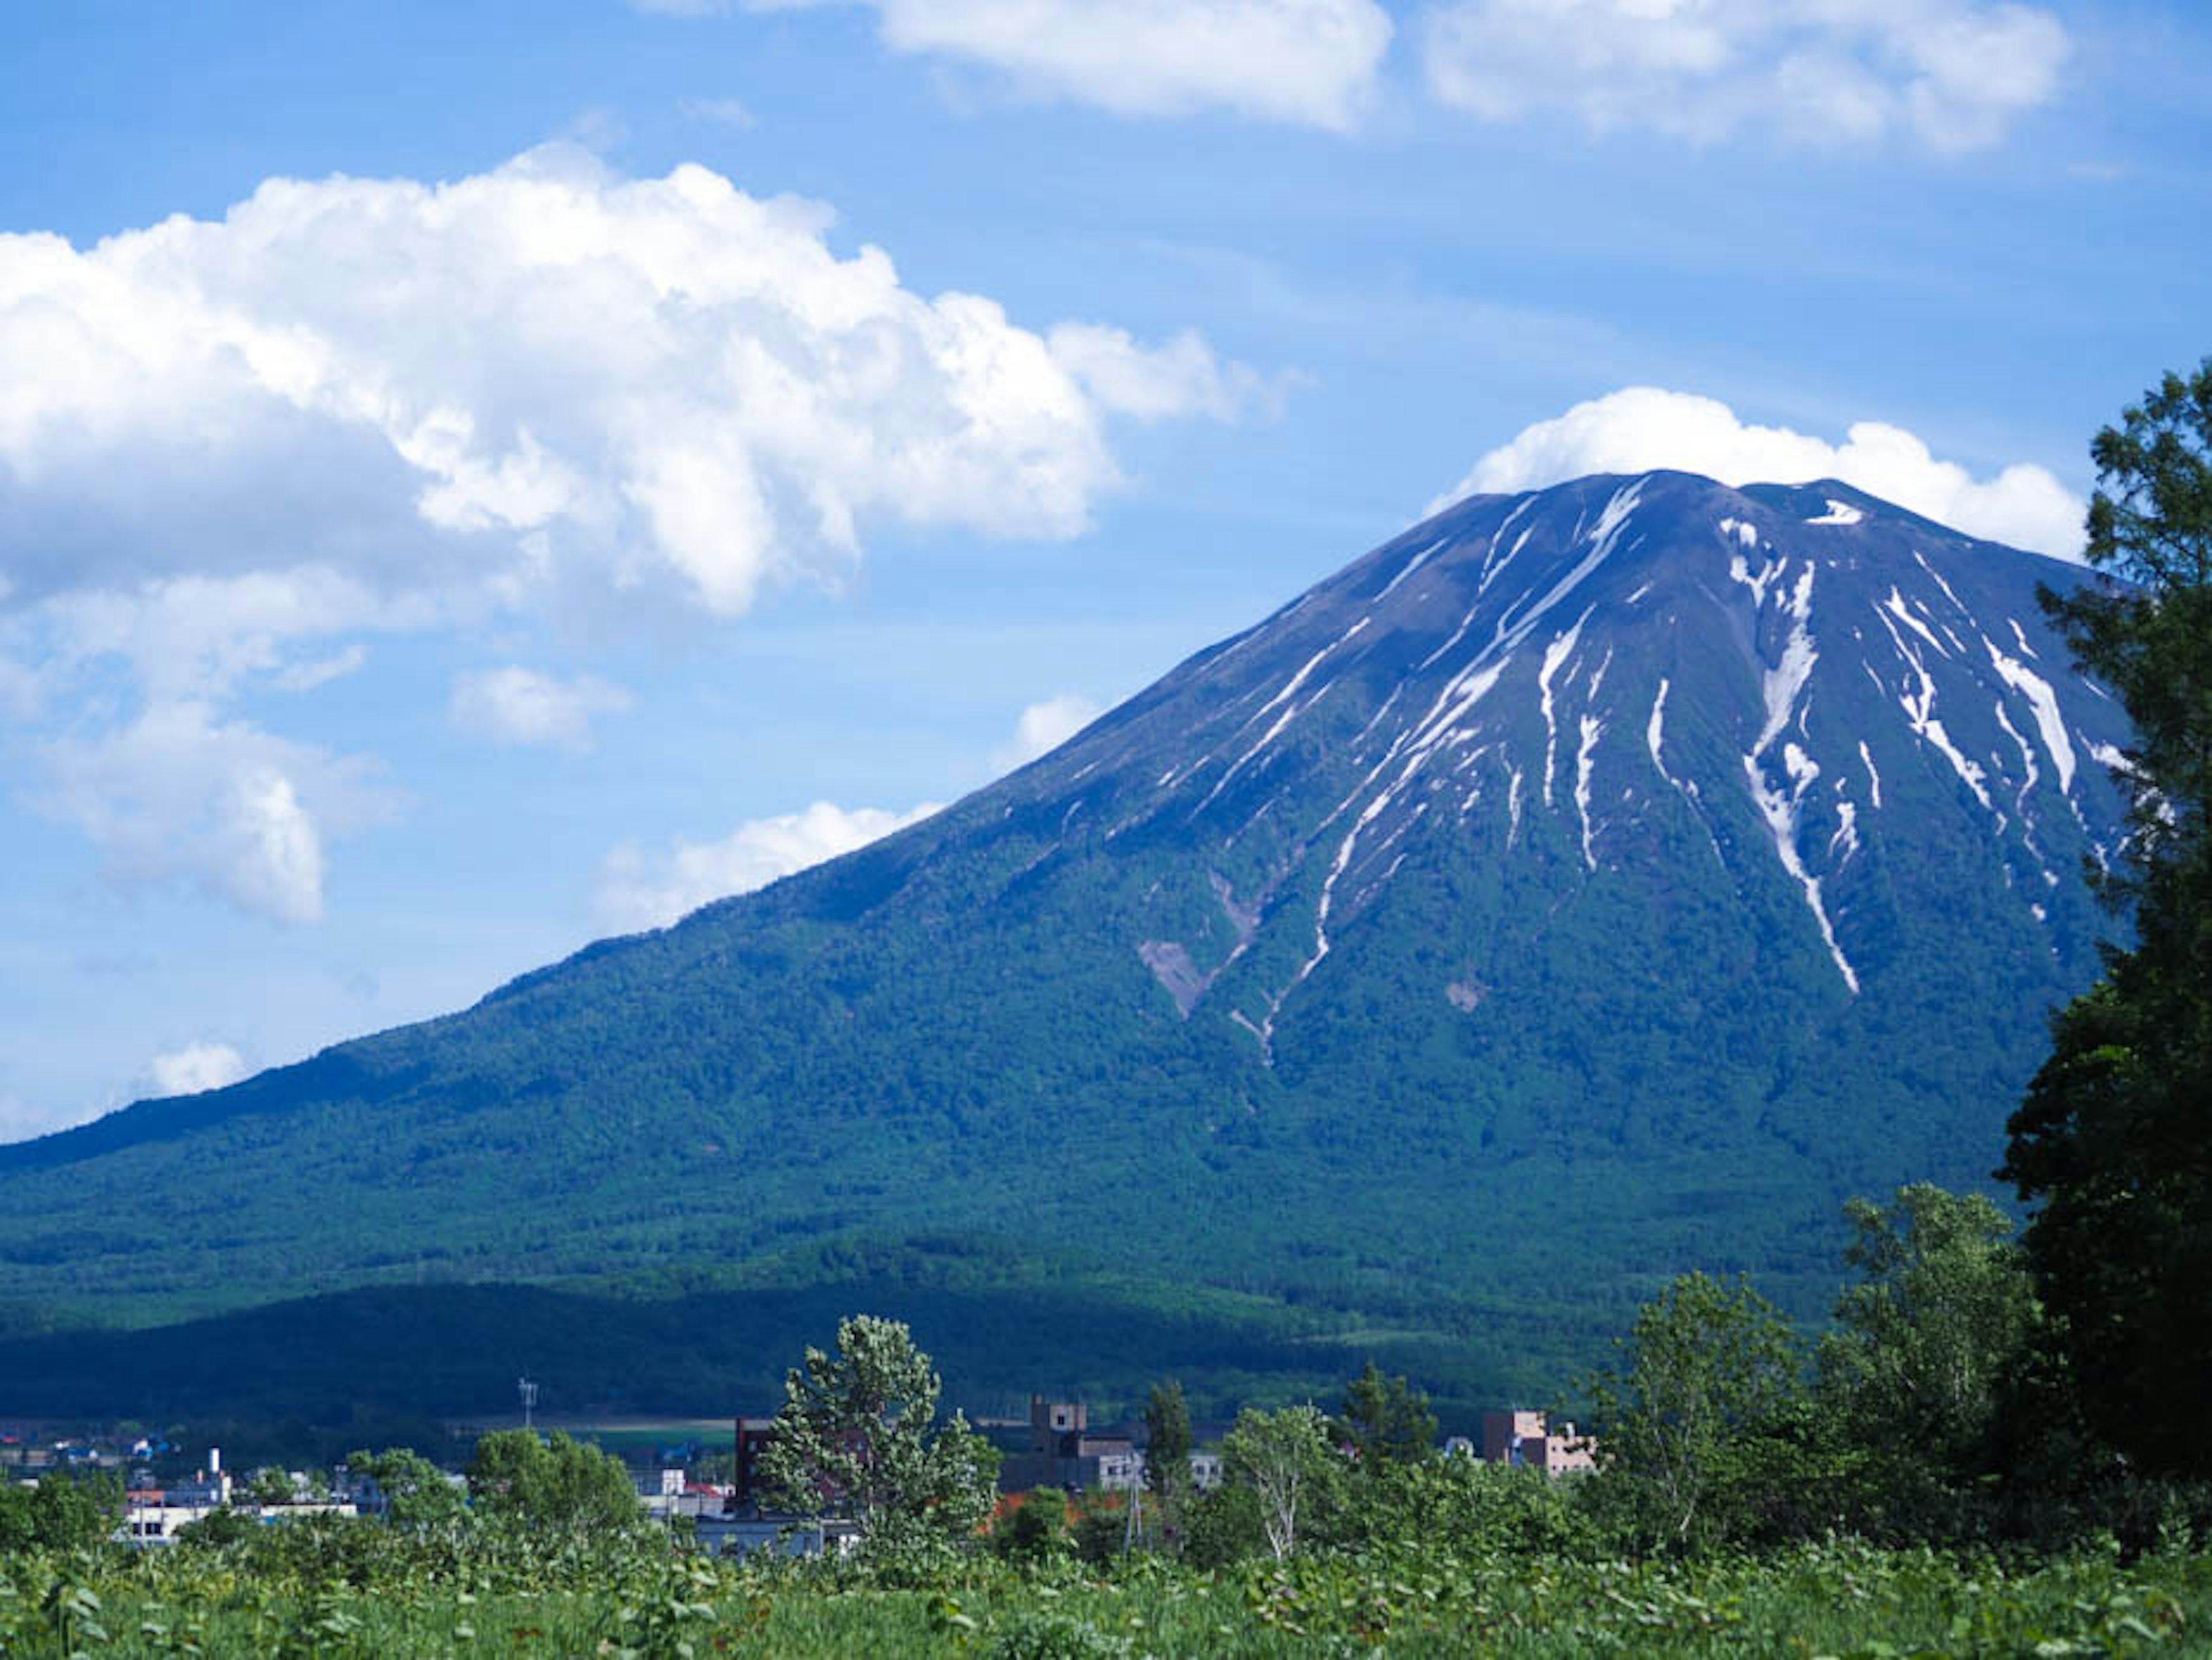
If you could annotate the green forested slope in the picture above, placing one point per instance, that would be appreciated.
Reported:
(1489, 999)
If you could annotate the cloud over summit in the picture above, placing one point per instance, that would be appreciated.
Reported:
(1642, 428)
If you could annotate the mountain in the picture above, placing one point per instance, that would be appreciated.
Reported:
(1585, 885)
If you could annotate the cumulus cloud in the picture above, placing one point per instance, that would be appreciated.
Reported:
(642, 890)
(516, 705)
(356, 405)
(1310, 63)
(526, 372)
(1953, 74)
(182, 793)
(1043, 727)
(195, 1067)
(1640, 428)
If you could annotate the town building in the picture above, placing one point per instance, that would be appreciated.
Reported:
(1526, 1438)
(1063, 1453)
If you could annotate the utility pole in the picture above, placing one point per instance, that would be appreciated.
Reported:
(528, 1391)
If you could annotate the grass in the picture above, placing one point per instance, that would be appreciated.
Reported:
(1838, 1599)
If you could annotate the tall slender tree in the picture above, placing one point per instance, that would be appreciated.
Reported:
(1166, 1442)
(2114, 1139)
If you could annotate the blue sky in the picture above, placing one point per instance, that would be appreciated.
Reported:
(468, 485)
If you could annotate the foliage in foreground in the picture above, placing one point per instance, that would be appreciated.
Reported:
(1838, 1598)
(2115, 1135)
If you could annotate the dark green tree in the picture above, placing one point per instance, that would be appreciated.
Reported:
(1035, 1530)
(417, 1494)
(1222, 1527)
(556, 1483)
(1696, 1424)
(1166, 1442)
(1100, 1533)
(1932, 1331)
(2113, 1142)
(1385, 1421)
(60, 1513)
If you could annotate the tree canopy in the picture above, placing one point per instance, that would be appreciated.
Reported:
(1708, 1376)
(1929, 1334)
(1167, 1441)
(556, 1483)
(2111, 1138)
(856, 1435)
(1385, 1420)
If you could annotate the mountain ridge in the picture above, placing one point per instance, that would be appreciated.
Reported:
(1585, 881)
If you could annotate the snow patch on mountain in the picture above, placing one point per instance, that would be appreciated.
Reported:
(1956, 604)
(2043, 701)
(1896, 607)
(1919, 707)
(1781, 688)
(1592, 730)
(1554, 654)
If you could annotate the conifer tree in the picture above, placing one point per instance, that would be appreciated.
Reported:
(2114, 1139)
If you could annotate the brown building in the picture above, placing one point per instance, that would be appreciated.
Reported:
(1064, 1454)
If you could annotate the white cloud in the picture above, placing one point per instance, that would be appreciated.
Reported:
(1157, 383)
(1640, 428)
(194, 636)
(195, 1067)
(353, 405)
(1310, 63)
(1953, 73)
(1043, 727)
(21, 1121)
(535, 371)
(181, 793)
(515, 705)
(638, 889)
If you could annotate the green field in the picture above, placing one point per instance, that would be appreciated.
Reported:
(1840, 1599)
